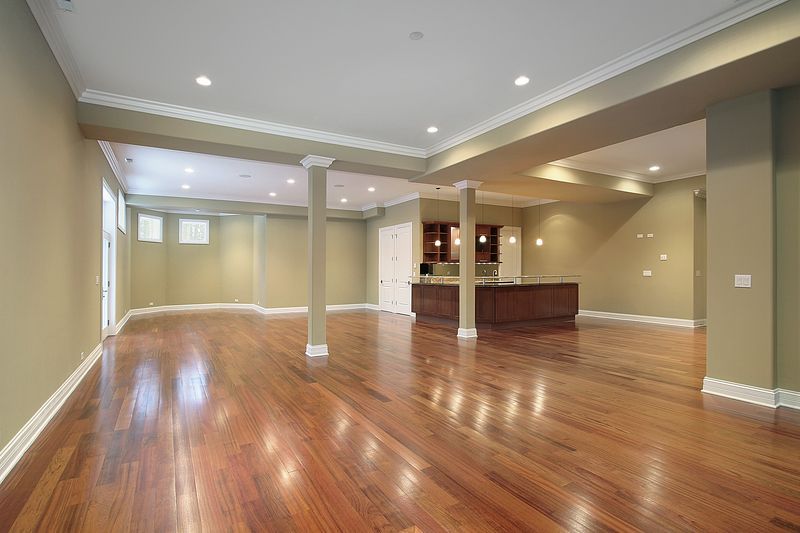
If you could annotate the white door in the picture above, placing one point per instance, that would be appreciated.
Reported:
(395, 268)
(403, 268)
(106, 286)
(510, 252)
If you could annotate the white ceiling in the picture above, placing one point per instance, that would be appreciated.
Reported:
(349, 68)
(160, 172)
(679, 151)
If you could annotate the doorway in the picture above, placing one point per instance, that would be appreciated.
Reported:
(395, 268)
(107, 280)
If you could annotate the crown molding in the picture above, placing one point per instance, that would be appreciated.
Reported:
(316, 161)
(111, 157)
(44, 13)
(402, 199)
(467, 184)
(741, 11)
(598, 169)
(91, 96)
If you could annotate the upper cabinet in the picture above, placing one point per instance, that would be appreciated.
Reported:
(441, 243)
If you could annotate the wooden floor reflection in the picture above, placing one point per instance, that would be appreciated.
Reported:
(216, 421)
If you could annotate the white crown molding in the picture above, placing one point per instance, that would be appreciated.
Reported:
(467, 184)
(660, 320)
(19, 444)
(111, 157)
(649, 52)
(91, 96)
(402, 199)
(316, 161)
(44, 11)
(597, 169)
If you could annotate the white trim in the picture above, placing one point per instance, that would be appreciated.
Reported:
(467, 333)
(44, 13)
(240, 306)
(318, 350)
(372, 307)
(204, 221)
(139, 226)
(789, 398)
(316, 161)
(664, 321)
(141, 105)
(576, 165)
(19, 444)
(121, 323)
(467, 184)
(111, 157)
(402, 199)
(661, 47)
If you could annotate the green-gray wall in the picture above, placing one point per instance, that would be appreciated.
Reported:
(599, 243)
(50, 225)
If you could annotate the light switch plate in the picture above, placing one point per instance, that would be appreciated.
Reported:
(640, 235)
(647, 273)
(743, 281)
(650, 235)
(663, 257)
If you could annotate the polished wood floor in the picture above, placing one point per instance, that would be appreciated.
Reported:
(215, 421)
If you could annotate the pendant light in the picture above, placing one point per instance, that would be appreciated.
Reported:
(513, 238)
(482, 238)
(539, 240)
(438, 242)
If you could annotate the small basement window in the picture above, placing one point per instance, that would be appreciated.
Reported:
(193, 231)
(151, 228)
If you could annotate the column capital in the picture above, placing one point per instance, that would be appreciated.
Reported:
(467, 184)
(316, 161)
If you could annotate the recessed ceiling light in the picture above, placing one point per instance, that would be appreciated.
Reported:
(128, 160)
(273, 194)
(343, 200)
(185, 186)
(432, 129)
(290, 181)
(371, 189)
(522, 80)
(416, 35)
(338, 185)
(189, 170)
(245, 175)
(655, 168)
(205, 81)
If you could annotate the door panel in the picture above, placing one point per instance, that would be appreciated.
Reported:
(386, 267)
(403, 268)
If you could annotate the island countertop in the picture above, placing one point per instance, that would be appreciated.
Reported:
(498, 303)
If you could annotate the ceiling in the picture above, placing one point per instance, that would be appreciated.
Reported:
(161, 172)
(349, 67)
(680, 152)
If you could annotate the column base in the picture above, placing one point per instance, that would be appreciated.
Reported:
(467, 333)
(316, 350)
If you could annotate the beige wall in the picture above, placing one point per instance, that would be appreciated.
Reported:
(194, 271)
(396, 214)
(700, 258)
(287, 263)
(50, 225)
(598, 242)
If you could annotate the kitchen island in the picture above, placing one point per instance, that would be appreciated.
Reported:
(499, 302)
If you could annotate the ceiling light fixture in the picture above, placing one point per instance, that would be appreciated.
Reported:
(438, 242)
(432, 129)
(245, 175)
(482, 238)
(189, 170)
(371, 189)
(416, 35)
(343, 200)
(185, 186)
(512, 239)
(290, 181)
(273, 194)
(128, 160)
(654, 168)
(522, 80)
(203, 81)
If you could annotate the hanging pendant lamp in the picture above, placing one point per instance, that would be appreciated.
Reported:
(438, 242)
(539, 240)
(513, 238)
(482, 238)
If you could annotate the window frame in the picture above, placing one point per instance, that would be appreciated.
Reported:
(205, 221)
(139, 226)
(122, 212)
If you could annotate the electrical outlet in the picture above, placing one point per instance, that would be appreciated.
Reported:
(83, 354)
(640, 235)
(663, 257)
(647, 273)
(236, 300)
(97, 280)
(151, 304)
(650, 235)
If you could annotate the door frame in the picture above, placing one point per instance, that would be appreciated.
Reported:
(111, 327)
(393, 228)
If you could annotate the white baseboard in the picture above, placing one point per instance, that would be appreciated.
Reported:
(373, 307)
(248, 307)
(747, 393)
(467, 333)
(663, 321)
(16, 448)
(121, 323)
(318, 350)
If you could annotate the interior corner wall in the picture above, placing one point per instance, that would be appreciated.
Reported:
(50, 225)
(787, 194)
(700, 258)
(599, 243)
(393, 215)
(741, 219)
(236, 258)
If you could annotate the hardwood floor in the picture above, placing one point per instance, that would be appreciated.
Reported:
(216, 421)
